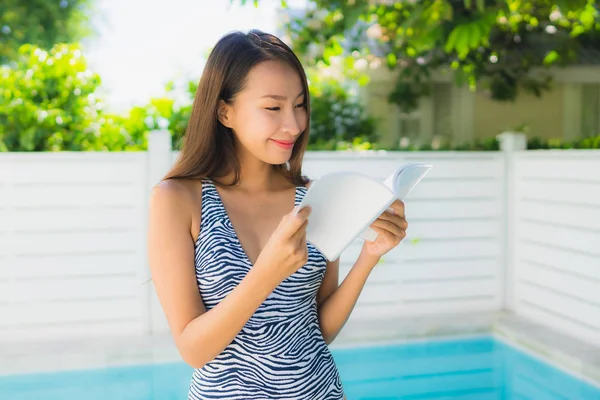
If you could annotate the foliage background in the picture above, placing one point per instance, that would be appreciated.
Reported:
(49, 97)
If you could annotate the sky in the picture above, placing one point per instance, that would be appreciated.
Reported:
(142, 44)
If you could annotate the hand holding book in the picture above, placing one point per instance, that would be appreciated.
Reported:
(390, 228)
(346, 204)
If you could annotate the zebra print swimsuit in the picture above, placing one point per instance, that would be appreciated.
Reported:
(280, 352)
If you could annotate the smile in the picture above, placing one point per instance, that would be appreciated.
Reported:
(285, 144)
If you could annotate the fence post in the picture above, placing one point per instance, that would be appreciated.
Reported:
(160, 158)
(510, 143)
(8, 241)
(159, 161)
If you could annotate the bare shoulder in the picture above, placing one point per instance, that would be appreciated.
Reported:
(174, 194)
(171, 252)
(173, 189)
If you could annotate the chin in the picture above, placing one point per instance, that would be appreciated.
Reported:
(277, 159)
(276, 156)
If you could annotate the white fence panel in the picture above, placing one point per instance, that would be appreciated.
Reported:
(73, 239)
(71, 244)
(451, 260)
(557, 226)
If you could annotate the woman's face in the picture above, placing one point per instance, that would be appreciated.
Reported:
(269, 114)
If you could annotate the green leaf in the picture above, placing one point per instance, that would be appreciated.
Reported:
(587, 18)
(349, 62)
(327, 54)
(474, 36)
(533, 21)
(551, 57)
(513, 5)
(462, 42)
(391, 60)
(364, 80)
(452, 38)
(41, 23)
(570, 5)
(577, 30)
(481, 6)
(447, 11)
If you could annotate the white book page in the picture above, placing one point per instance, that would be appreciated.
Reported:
(401, 182)
(343, 205)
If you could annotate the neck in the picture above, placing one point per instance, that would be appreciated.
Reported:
(256, 175)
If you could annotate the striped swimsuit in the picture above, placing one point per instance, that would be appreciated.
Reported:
(280, 352)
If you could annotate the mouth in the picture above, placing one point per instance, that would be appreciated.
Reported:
(285, 144)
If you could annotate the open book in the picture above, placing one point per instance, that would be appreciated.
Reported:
(345, 204)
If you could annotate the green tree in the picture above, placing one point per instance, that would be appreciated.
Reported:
(163, 113)
(42, 23)
(48, 103)
(337, 119)
(494, 44)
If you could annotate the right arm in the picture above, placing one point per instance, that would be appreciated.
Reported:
(202, 335)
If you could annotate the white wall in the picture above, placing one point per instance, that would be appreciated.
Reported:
(557, 237)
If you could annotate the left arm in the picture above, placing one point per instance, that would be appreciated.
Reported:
(337, 302)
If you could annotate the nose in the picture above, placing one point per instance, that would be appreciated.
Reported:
(291, 124)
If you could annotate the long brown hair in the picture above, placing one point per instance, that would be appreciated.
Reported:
(208, 148)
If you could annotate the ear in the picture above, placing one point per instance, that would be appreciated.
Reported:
(224, 114)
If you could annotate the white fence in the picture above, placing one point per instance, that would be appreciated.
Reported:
(73, 239)
(451, 259)
(72, 247)
(557, 240)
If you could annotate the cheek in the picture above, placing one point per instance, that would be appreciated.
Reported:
(256, 125)
(302, 118)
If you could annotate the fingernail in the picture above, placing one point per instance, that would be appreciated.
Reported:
(391, 210)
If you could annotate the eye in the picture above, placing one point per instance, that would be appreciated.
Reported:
(273, 108)
(301, 105)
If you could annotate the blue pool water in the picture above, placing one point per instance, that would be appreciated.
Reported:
(476, 369)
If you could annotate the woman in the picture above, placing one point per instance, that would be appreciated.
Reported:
(251, 306)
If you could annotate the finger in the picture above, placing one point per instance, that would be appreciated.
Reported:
(380, 231)
(302, 213)
(303, 238)
(396, 219)
(301, 231)
(389, 227)
(295, 220)
(398, 207)
(389, 236)
(401, 222)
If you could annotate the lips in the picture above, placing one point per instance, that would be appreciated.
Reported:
(285, 144)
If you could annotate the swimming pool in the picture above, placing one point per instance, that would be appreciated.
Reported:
(476, 368)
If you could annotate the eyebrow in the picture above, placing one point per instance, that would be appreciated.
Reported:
(279, 97)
